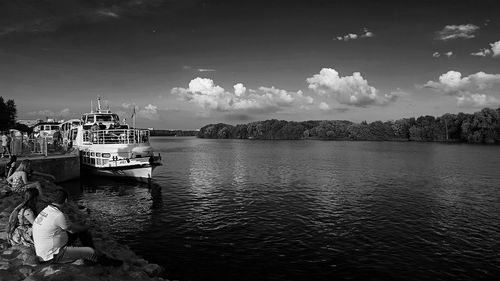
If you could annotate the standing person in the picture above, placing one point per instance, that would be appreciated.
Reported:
(54, 236)
(5, 144)
(10, 167)
(19, 179)
(57, 139)
(20, 226)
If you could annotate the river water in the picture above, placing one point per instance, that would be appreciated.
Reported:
(309, 210)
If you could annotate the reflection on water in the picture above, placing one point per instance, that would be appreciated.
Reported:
(297, 210)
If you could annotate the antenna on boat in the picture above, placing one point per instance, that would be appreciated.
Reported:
(133, 117)
(99, 103)
(91, 107)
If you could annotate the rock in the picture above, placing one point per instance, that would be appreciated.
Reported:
(7, 252)
(152, 269)
(141, 262)
(8, 276)
(138, 275)
(26, 271)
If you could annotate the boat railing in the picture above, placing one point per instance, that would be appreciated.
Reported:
(116, 136)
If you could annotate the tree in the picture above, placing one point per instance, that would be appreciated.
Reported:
(8, 114)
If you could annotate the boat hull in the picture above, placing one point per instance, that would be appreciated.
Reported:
(143, 174)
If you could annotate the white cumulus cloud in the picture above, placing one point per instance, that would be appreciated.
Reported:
(495, 48)
(469, 90)
(365, 33)
(149, 112)
(463, 31)
(494, 51)
(447, 54)
(324, 106)
(482, 53)
(239, 89)
(210, 97)
(476, 100)
(350, 90)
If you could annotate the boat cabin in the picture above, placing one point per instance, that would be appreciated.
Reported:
(46, 130)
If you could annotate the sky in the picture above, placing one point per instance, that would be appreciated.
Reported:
(183, 64)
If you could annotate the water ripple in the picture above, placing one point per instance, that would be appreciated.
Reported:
(243, 210)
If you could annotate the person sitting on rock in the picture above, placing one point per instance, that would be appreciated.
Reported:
(55, 236)
(19, 179)
(19, 228)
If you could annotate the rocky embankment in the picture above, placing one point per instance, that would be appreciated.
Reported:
(20, 263)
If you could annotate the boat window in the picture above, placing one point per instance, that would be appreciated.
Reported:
(89, 118)
(116, 118)
(98, 154)
(54, 127)
(105, 118)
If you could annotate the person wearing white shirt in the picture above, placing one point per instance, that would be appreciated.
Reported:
(54, 236)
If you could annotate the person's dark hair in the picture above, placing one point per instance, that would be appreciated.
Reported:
(30, 199)
(13, 158)
(61, 196)
(25, 166)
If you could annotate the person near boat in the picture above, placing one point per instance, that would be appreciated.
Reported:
(18, 180)
(55, 235)
(20, 226)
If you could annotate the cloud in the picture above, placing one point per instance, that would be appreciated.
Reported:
(469, 90)
(127, 105)
(353, 36)
(324, 106)
(239, 89)
(447, 54)
(477, 100)
(206, 70)
(49, 113)
(149, 112)
(108, 13)
(494, 51)
(211, 97)
(463, 31)
(482, 53)
(495, 48)
(349, 90)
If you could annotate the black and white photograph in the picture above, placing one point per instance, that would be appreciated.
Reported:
(249, 140)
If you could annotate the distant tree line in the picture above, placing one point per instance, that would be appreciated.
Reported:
(480, 127)
(178, 133)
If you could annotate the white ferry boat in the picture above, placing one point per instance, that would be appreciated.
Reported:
(108, 148)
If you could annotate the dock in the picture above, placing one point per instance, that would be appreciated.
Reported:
(63, 167)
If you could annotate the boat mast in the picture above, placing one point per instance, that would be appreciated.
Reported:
(99, 104)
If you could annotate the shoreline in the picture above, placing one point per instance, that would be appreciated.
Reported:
(20, 263)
